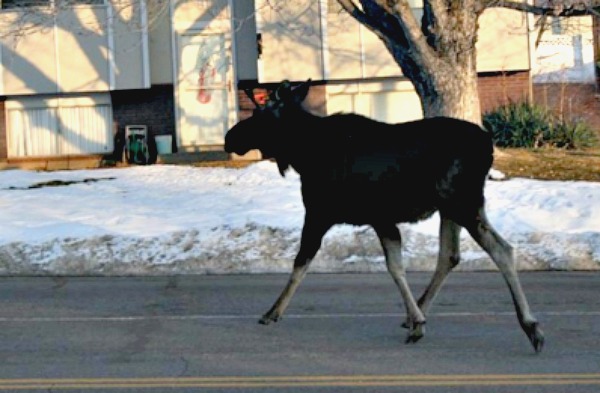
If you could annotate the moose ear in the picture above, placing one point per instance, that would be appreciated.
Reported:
(285, 93)
(301, 91)
(282, 92)
(285, 84)
(283, 166)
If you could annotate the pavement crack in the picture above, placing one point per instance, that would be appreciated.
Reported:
(186, 366)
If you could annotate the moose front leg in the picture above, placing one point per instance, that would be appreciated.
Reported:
(448, 258)
(275, 313)
(312, 234)
(390, 239)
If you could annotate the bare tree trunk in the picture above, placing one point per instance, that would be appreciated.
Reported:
(456, 94)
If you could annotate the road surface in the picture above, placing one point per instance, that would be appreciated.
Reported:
(341, 333)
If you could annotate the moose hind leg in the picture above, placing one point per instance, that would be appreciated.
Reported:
(391, 242)
(448, 258)
(312, 234)
(502, 254)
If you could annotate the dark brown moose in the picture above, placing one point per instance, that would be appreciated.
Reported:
(359, 171)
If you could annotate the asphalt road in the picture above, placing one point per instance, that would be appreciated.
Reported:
(341, 333)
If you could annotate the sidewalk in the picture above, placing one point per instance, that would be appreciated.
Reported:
(213, 158)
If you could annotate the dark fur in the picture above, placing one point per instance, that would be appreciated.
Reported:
(360, 171)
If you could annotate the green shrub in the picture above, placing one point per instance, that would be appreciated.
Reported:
(525, 125)
(574, 135)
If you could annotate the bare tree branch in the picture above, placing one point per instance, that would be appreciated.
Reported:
(357, 13)
(550, 7)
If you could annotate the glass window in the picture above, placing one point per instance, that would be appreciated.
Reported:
(12, 4)
(557, 27)
(15, 4)
(81, 2)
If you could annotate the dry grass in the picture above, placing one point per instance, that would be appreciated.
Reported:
(543, 164)
(549, 164)
(225, 164)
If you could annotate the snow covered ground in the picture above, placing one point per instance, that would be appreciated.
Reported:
(170, 219)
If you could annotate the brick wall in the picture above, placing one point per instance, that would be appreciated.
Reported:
(575, 101)
(154, 108)
(578, 101)
(500, 88)
(245, 105)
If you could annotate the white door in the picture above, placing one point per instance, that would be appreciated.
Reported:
(204, 94)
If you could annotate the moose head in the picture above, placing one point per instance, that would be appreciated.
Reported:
(266, 129)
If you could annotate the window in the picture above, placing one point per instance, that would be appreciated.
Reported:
(557, 27)
(12, 4)
(82, 2)
(16, 4)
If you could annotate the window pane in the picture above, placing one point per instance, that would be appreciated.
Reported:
(83, 2)
(11, 4)
(557, 27)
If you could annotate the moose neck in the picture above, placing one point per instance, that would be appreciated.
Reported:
(299, 131)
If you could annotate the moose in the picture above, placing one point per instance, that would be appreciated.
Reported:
(360, 171)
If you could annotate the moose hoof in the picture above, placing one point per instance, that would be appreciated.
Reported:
(536, 337)
(268, 318)
(417, 331)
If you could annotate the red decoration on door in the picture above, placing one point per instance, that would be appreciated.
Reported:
(206, 76)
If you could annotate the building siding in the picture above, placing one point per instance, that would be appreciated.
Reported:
(3, 141)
